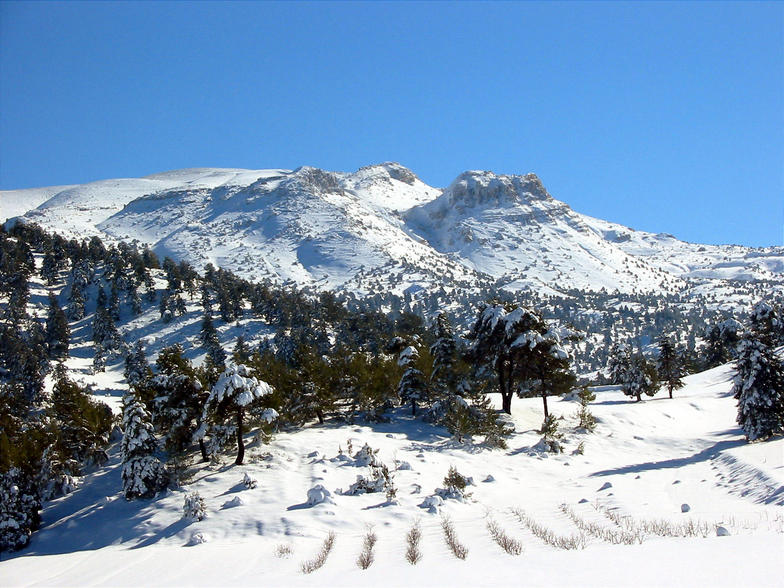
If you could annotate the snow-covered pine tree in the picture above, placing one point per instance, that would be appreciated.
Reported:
(766, 324)
(137, 371)
(58, 332)
(759, 389)
(143, 473)
(618, 363)
(211, 342)
(49, 268)
(19, 506)
(412, 387)
(443, 378)
(234, 394)
(79, 278)
(669, 365)
(640, 378)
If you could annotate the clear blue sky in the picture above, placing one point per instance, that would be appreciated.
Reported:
(661, 116)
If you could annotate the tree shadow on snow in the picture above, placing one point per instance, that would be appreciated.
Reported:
(97, 515)
(704, 455)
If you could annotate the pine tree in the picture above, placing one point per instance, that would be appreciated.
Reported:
(143, 475)
(669, 365)
(412, 387)
(19, 509)
(234, 394)
(640, 378)
(137, 371)
(211, 343)
(58, 332)
(759, 389)
(78, 285)
(49, 268)
(444, 377)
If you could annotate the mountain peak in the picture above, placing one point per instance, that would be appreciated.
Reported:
(485, 188)
(391, 169)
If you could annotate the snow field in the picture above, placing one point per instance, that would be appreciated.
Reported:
(610, 517)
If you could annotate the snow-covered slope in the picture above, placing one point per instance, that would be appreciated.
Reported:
(644, 466)
(382, 227)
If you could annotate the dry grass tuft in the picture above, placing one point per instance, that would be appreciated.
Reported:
(320, 559)
(459, 550)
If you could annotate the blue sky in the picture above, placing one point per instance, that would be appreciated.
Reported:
(661, 116)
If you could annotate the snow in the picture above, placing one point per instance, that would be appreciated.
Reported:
(382, 228)
(645, 461)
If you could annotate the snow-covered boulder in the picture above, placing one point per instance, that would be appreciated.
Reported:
(318, 494)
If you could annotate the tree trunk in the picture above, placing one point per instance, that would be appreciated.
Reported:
(669, 387)
(639, 397)
(413, 408)
(504, 385)
(203, 450)
(320, 416)
(506, 403)
(544, 401)
(240, 442)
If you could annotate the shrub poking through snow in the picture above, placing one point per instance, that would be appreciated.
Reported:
(365, 559)
(548, 535)
(413, 537)
(194, 507)
(660, 527)
(614, 535)
(321, 558)
(551, 436)
(454, 485)
(249, 482)
(509, 544)
(459, 550)
(585, 419)
(380, 480)
(284, 551)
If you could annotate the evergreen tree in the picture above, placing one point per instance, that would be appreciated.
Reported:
(137, 371)
(668, 365)
(641, 378)
(759, 389)
(234, 394)
(143, 475)
(766, 324)
(19, 509)
(444, 377)
(49, 268)
(58, 332)
(211, 343)
(412, 387)
(79, 279)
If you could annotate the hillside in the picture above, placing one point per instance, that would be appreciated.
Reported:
(381, 229)
(643, 462)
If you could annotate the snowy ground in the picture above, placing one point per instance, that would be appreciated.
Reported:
(644, 461)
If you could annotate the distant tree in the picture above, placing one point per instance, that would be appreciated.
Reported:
(58, 332)
(412, 387)
(766, 324)
(524, 353)
(669, 365)
(211, 342)
(641, 378)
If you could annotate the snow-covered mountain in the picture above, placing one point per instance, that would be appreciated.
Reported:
(381, 227)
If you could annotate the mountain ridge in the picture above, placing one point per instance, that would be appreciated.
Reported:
(345, 230)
